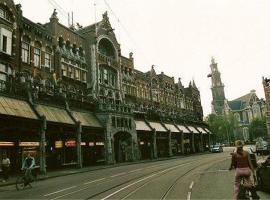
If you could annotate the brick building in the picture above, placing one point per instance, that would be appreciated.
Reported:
(69, 97)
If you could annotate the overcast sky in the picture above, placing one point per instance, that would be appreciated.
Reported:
(180, 36)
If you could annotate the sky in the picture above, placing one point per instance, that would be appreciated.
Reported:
(179, 37)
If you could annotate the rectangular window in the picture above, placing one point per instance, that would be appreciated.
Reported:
(2, 13)
(37, 57)
(5, 41)
(105, 76)
(25, 52)
(77, 72)
(84, 76)
(64, 70)
(47, 60)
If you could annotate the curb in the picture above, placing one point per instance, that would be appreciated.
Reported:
(41, 178)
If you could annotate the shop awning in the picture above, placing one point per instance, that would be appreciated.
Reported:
(201, 130)
(157, 126)
(142, 126)
(183, 128)
(207, 130)
(193, 129)
(172, 128)
(17, 108)
(54, 114)
(87, 119)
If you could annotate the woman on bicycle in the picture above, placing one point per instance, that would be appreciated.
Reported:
(242, 164)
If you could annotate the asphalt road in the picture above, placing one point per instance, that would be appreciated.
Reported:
(195, 177)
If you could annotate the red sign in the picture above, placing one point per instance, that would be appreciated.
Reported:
(70, 143)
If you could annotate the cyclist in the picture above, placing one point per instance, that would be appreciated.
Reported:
(242, 164)
(28, 164)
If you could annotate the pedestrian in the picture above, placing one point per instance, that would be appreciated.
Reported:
(243, 168)
(5, 167)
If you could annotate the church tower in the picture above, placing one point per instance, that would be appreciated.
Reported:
(217, 89)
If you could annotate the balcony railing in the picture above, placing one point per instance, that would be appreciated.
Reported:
(107, 60)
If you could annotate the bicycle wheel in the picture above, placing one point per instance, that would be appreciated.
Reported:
(20, 183)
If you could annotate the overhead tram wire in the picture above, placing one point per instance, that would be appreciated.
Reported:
(126, 31)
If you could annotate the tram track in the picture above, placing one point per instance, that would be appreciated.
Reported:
(152, 176)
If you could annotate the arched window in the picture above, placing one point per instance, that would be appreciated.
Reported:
(237, 116)
(37, 54)
(106, 48)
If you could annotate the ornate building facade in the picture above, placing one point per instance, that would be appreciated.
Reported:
(244, 108)
(69, 97)
(266, 86)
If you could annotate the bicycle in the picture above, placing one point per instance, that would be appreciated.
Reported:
(247, 190)
(24, 179)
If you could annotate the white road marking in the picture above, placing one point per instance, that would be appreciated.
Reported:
(94, 181)
(140, 180)
(59, 191)
(188, 195)
(118, 174)
(191, 185)
(190, 190)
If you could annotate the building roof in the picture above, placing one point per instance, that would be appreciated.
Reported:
(235, 105)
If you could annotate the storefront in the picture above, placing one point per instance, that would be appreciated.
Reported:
(93, 148)
(162, 139)
(60, 137)
(197, 138)
(19, 131)
(145, 139)
(176, 139)
(187, 139)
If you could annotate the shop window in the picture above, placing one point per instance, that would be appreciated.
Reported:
(5, 41)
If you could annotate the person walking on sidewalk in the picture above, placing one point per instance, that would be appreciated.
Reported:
(5, 164)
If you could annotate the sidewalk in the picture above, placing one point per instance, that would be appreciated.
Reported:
(65, 172)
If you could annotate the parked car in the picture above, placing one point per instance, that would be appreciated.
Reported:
(263, 174)
(261, 147)
(217, 148)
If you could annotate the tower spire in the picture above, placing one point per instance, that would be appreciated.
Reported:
(217, 88)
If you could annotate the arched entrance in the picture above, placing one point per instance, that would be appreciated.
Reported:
(122, 146)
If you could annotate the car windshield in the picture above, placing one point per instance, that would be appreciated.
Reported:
(216, 146)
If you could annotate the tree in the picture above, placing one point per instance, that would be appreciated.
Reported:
(257, 128)
(223, 126)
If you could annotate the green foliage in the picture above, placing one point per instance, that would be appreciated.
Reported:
(223, 126)
(257, 128)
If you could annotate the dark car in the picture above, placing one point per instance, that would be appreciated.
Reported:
(216, 148)
(263, 174)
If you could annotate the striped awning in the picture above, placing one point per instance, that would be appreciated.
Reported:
(54, 114)
(157, 126)
(193, 129)
(201, 130)
(183, 128)
(16, 108)
(87, 119)
(172, 128)
(207, 130)
(142, 126)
